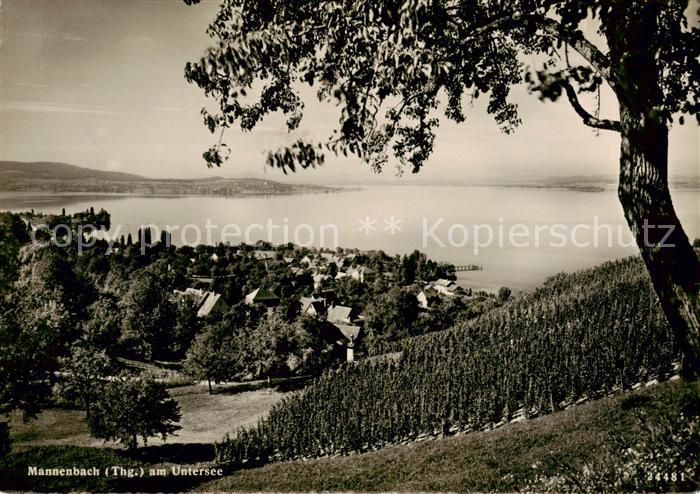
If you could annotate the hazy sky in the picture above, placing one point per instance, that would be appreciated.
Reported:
(100, 84)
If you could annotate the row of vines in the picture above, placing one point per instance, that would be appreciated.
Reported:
(578, 336)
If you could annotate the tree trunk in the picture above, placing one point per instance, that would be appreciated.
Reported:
(632, 32)
(209, 383)
(667, 253)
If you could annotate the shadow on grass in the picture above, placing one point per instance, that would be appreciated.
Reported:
(183, 454)
(635, 401)
(282, 385)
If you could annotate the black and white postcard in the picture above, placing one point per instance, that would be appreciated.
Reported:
(349, 246)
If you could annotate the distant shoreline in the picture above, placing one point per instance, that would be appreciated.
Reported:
(13, 199)
(279, 189)
(223, 188)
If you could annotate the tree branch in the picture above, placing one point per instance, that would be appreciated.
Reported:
(578, 42)
(596, 58)
(588, 119)
(575, 39)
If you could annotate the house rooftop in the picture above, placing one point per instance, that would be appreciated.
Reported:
(349, 331)
(209, 304)
(265, 254)
(260, 294)
(197, 294)
(206, 301)
(317, 303)
(444, 282)
(339, 313)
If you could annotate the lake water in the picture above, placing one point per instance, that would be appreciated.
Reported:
(534, 232)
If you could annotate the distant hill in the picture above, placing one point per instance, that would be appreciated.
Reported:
(45, 170)
(590, 183)
(61, 177)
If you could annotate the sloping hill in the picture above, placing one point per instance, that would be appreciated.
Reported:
(18, 176)
(578, 337)
(44, 170)
(547, 453)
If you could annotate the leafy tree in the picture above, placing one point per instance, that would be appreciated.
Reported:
(187, 325)
(36, 327)
(213, 356)
(386, 63)
(409, 268)
(289, 308)
(128, 408)
(102, 327)
(392, 316)
(47, 272)
(504, 293)
(82, 374)
(443, 314)
(242, 316)
(5, 439)
(276, 348)
(271, 345)
(30, 342)
(13, 235)
(314, 352)
(352, 292)
(148, 316)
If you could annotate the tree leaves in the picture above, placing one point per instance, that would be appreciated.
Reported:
(128, 408)
(300, 154)
(374, 58)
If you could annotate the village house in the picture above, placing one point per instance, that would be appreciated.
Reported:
(264, 255)
(357, 273)
(35, 222)
(262, 296)
(297, 271)
(201, 279)
(312, 306)
(213, 304)
(207, 302)
(426, 298)
(342, 330)
(331, 258)
(343, 337)
(319, 278)
(354, 273)
(341, 314)
(445, 287)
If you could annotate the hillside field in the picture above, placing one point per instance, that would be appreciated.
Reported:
(509, 458)
(205, 418)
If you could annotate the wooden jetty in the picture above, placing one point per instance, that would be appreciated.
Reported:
(468, 267)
